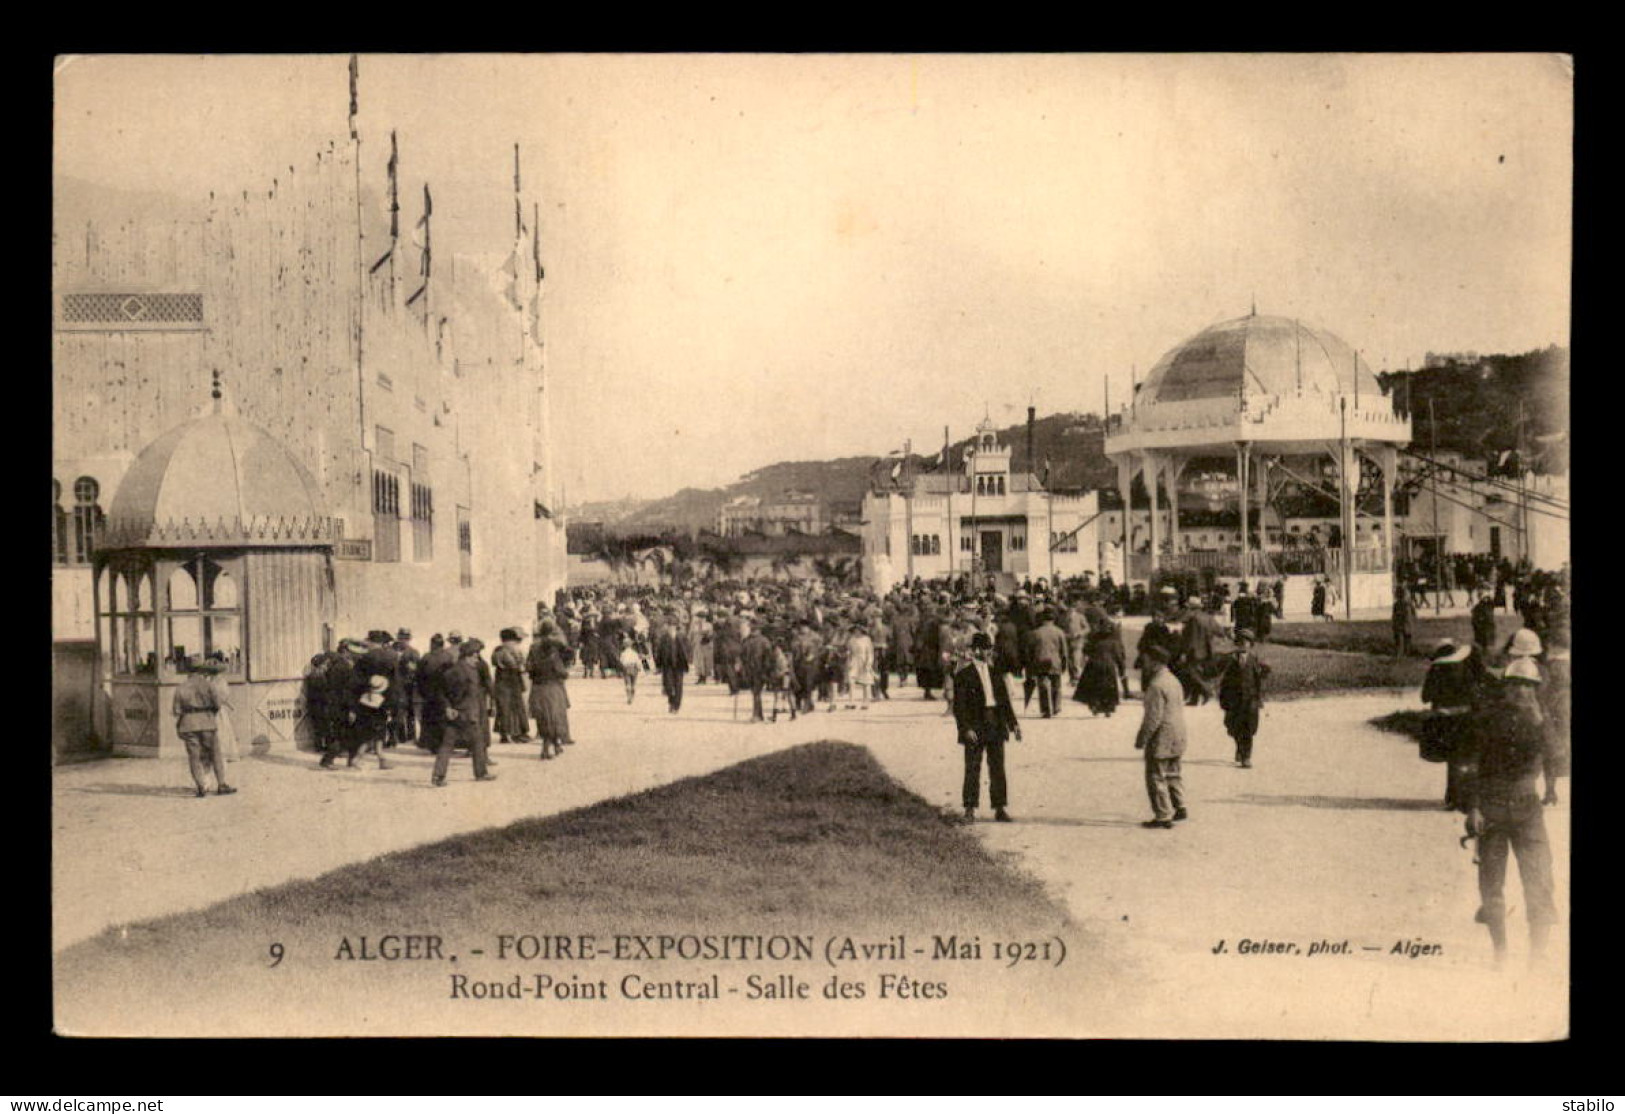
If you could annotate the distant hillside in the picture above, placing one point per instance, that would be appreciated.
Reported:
(1070, 443)
(1477, 402)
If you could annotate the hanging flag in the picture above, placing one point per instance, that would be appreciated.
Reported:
(896, 470)
(420, 237)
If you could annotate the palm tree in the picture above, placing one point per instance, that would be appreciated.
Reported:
(785, 563)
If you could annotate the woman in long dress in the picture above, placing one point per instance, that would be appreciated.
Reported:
(1097, 684)
(549, 702)
(513, 725)
(860, 664)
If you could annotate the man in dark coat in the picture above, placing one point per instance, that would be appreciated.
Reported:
(381, 660)
(928, 653)
(404, 728)
(985, 721)
(1451, 689)
(756, 668)
(1241, 695)
(431, 692)
(465, 709)
(904, 630)
(671, 658)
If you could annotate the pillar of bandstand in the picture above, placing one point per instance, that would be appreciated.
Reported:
(1265, 392)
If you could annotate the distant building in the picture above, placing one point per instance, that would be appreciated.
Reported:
(792, 512)
(980, 518)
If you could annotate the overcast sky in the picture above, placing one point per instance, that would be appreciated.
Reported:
(753, 259)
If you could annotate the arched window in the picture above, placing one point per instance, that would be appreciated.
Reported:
(205, 620)
(87, 519)
(1001, 485)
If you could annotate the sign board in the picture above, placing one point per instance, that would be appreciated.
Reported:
(353, 549)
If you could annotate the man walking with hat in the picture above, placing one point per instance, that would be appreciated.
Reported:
(196, 706)
(1162, 737)
(985, 721)
(465, 711)
(1241, 695)
(404, 728)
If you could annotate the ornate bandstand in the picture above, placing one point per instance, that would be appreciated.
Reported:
(1288, 403)
(216, 547)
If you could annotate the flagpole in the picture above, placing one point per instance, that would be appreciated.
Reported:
(952, 530)
(908, 505)
(1438, 541)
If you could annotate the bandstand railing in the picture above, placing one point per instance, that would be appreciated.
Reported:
(1274, 562)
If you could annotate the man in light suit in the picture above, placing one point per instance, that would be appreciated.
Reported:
(985, 720)
(1162, 737)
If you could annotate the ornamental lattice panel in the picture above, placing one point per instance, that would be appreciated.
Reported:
(132, 311)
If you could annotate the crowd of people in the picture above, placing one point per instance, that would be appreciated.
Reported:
(1499, 716)
(374, 694)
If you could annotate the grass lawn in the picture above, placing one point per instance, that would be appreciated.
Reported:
(816, 838)
(1375, 636)
(1313, 659)
(1297, 671)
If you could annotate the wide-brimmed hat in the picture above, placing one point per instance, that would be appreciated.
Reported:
(403, 633)
(1525, 644)
(454, 636)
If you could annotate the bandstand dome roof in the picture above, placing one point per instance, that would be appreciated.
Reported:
(1256, 355)
(217, 480)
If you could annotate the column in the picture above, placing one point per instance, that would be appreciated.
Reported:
(1241, 502)
(1149, 467)
(1389, 460)
(1348, 482)
(1172, 467)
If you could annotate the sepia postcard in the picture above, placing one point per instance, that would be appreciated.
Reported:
(1047, 545)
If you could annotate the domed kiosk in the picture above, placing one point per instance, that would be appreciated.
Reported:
(216, 547)
(1278, 398)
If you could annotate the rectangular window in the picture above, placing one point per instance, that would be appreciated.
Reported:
(384, 444)
(386, 515)
(422, 507)
(936, 545)
(964, 543)
(465, 548)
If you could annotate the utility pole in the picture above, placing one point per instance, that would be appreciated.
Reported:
(1344, 497)
(908, 504)
(1438, 539)
(1523, 493)
(953, 481)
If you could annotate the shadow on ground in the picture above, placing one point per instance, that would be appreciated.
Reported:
(1389, 804)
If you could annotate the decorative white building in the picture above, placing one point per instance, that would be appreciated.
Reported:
(978, 519)
(1274, 395)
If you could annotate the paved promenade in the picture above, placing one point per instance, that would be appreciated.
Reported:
(1335, 835)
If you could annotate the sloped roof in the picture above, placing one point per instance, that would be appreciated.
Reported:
(217, 480)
